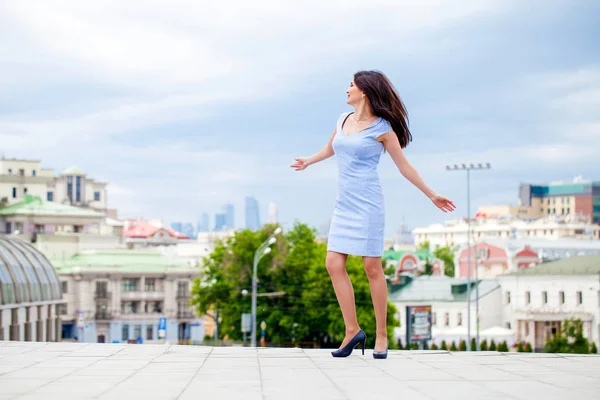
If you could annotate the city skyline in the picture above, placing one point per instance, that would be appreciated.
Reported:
(482, 81)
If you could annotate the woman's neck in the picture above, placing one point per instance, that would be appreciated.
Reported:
(362, 111)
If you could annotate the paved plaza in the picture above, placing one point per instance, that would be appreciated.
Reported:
(114, 371)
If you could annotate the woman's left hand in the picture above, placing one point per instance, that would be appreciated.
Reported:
(443, 203)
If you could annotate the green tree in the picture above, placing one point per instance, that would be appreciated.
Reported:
(446, 254)
(570, 339)
(462, 345)
(443, 345)
(528, 348)
(483, 345)
(503, 347)
(399, 344)
(473, 344)
(493, 345)
(453, 346)
(593, 348)
(296, 268)
(520, 348)
(434, 347)
(428, 268)
(424, 245)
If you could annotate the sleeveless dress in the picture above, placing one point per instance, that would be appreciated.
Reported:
(358, 218)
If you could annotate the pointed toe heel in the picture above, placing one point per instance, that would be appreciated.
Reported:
(345, 351)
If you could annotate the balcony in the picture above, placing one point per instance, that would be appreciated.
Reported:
(103, 316)
(185, 315)
(102, 295)
(137, 295)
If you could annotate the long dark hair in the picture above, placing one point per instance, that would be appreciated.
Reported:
(385, 102)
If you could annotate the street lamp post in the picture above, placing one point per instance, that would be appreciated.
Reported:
(469, 168)
(262, 250)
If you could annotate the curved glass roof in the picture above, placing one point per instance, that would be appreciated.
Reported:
(26, 275)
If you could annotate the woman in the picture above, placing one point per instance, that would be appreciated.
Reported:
(379, 122)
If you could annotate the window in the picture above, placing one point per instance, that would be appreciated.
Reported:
(508, 325)
(137, 331)
(149, 335)
(553, 201)
(459, 319)
(65, 286)
(544, 297)
(102, 290)
(561, 297)
(149, 285)
(10, 171)
(21, 172)
(507, 297)
(446, 319)
(527, 297)
(24, 190)
(96, 196)
(125, 332)
(579, 298)
(526, 328)
(70, 187)
(78, 189)
(129, 285)
(14, 193)
(434, 319)
(62, 309)
(50, 196)
(33, 173)
(182, 289)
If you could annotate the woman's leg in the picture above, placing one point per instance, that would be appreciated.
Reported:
(379, 293)
(336, 266)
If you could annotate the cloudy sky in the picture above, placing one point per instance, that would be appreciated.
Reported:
(184, 106)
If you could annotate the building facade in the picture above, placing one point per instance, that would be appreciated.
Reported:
(494, 257)
(563, 198)
(29, 293)
(450, 307)
(537, 301)
(120, 296)
(19, 178)
(454, 232)
(252, 214)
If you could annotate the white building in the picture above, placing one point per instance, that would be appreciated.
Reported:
(536, 301)
(449, 302)
(272, 213)
(454, 232)
(22, 177)
(120, 295)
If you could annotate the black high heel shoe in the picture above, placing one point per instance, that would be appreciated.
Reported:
(380, 354)
(360, 337)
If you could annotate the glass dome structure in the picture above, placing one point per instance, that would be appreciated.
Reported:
(26, 275)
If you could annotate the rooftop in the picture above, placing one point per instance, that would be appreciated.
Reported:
(120, 261)
(73, 170)
(115, 371)
(397, 255)
(579, 265)
(34, 205)
(440, 288)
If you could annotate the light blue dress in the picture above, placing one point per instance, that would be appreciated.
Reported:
(358, 218)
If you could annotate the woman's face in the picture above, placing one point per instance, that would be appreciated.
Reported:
(355, 95)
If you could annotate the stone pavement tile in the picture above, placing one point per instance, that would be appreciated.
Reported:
(526, 356)
(228, 362)
(222, 390)
(14, 386)
(528, 390)
(375, 390)
(73, 389)
(41, 373)
(458, 366)
(487, 375)
(423, 375)
(277, 373)
(567, 381)
(287, 362)
(461, 390)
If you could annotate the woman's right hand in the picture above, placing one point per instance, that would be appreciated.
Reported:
(300, 164)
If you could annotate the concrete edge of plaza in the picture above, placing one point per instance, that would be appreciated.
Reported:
(29, 293)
